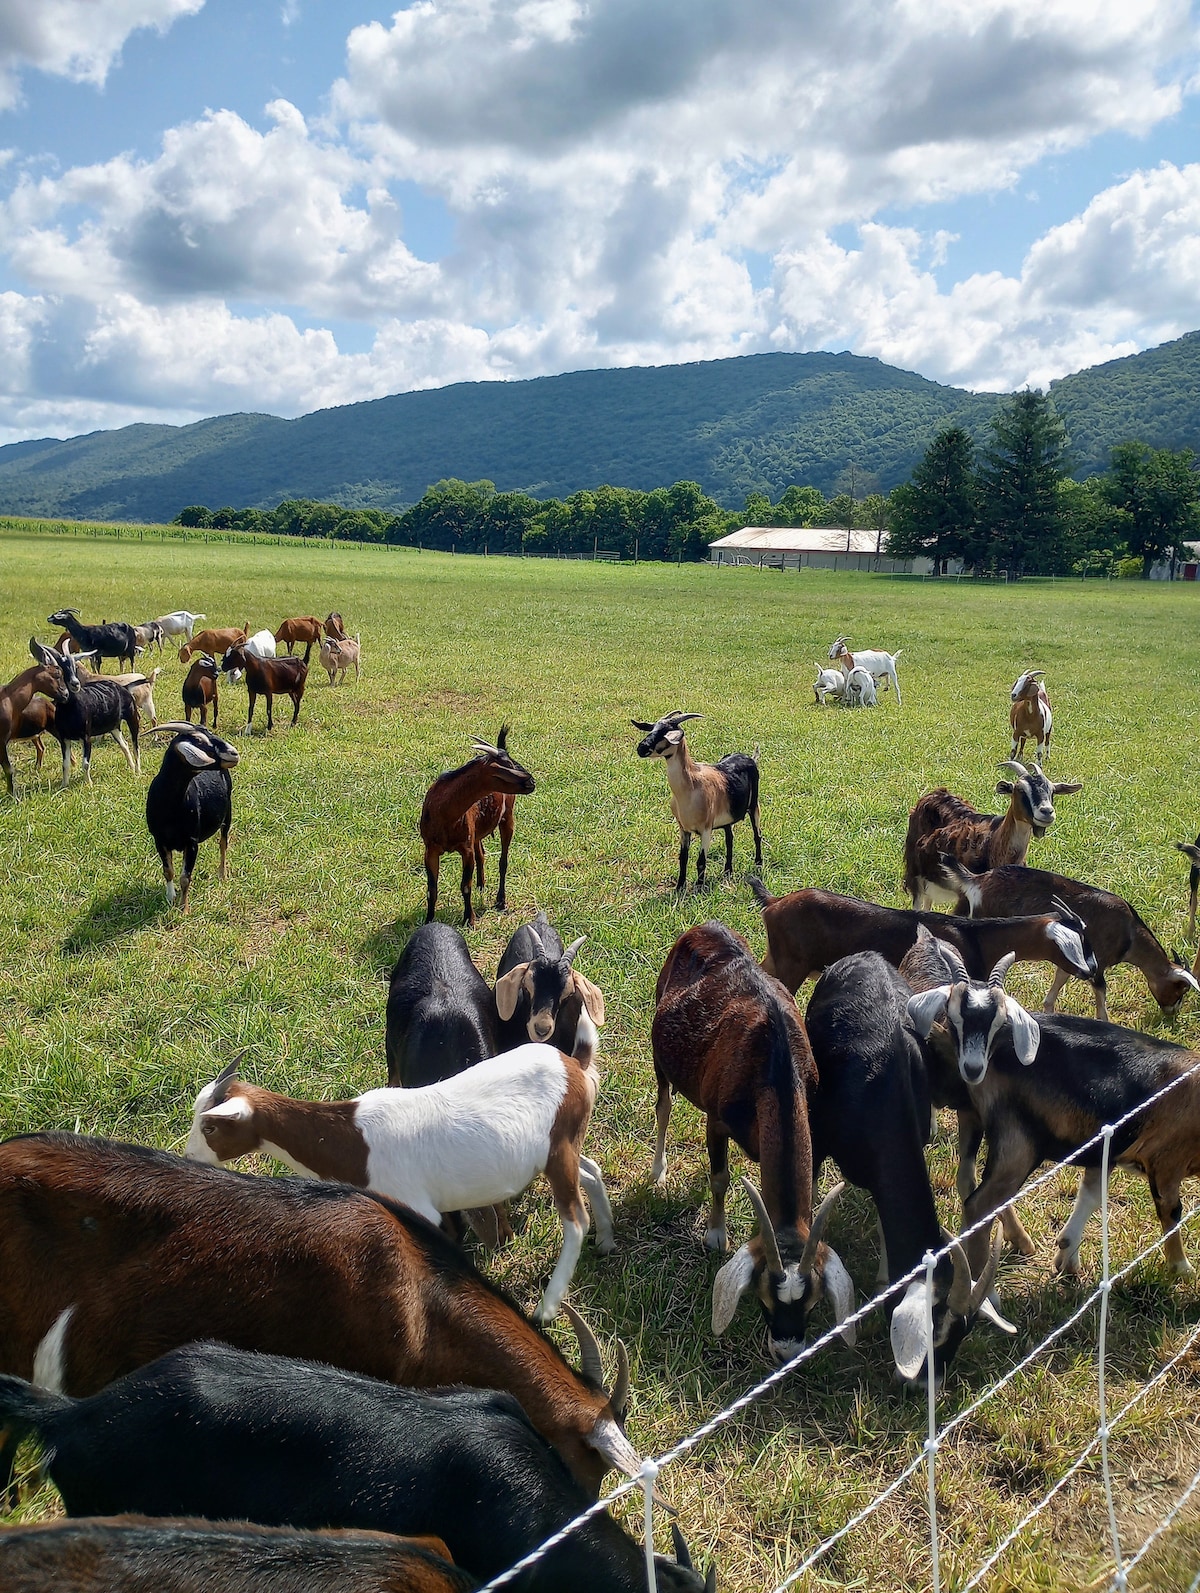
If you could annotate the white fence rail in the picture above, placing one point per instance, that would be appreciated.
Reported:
(938, 1431)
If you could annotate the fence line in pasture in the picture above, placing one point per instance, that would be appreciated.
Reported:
(926, 1457)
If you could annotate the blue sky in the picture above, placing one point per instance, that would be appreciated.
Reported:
(208, 206)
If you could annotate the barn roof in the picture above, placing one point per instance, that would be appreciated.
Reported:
(799, 539)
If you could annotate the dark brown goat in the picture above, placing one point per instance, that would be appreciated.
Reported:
(112, 1254)
(19, 698)
(942, 822)
(306, 628)
(462, 808)
(200, 689)
(267, 677)
(729, 1039)
(135, 1554)
(335, 627)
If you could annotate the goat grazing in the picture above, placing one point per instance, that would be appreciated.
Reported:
(214, 640)
(211, 1431)
(306, 628)
(199, 690)
(807, 930)
(942, 822)
(337, 656)
(870, 1114)
(1030, 716)
(729, 1039)
(462, 808)
(859, 689)
(539, 995)
(829, 683)
(189, 800)
(704, 796)
(84, 710)
(440, 1012)
(20, 704)
(469, 1141)
(134, 1554)
(180, 623)
(1116, 931)
(148, 635)
(880, 666)
(110, 640)
(112, 1254)
(267, 677)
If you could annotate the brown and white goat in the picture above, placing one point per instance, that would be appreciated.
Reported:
(214, 641)
(1030, 715)
(112, 1254)
(462, 808)
(306, 628)
(808, 930)
(466, 1142)
(704, 796)
(879, 665)
(729, 1039)
(267, 677)
(199, 690)
(1115, 929)
(942, 822)
(19, 697)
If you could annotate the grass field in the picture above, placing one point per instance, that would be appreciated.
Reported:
(113, 1011)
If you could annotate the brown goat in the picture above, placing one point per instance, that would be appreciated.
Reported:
(112, 1254)
(335, 627)
(462, 808)
(942, 822)
(136, 1554)
(214, 641)
(306, 628)
(1030, 715)
(199, 690)
(267, 677)
(17, 699)
(729, 1039)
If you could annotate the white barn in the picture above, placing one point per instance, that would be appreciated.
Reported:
(815, 547)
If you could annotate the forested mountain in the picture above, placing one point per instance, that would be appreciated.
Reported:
(735, 426)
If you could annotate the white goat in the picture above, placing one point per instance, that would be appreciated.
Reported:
(859, 690)
(468, 1141)
(829, 683)
(180, 623)
(262, 645)
(880, 666)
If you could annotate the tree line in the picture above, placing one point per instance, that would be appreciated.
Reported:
(1010, 505)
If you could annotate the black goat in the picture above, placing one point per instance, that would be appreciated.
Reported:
(539, 995)
(84, 710)
(207, 1430)
(190, 799)
(440, 1014)
(113, 639)
(870, 1114)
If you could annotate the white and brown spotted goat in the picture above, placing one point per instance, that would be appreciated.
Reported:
(704, 796)
(1030, 715)
(880, 666)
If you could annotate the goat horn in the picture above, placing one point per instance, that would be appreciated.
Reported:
(983, 1285)
(1000, 972)
(958, 1299)
(568, 956)
(590, 1363)
(619, 1398)
(1013, 767)
(680, 717)
(682, 1558)
(165, 727)
(484, 746)
(766, 1228)
(821, 1217)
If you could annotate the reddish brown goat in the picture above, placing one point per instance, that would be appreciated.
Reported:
(942, 822)
(729, 1039)
(214, 641)
(200, 689)
(267, 677)
(306, 628)
(462, 808)
(137, 1554)
(112, 1254)
(1030, 715)
(17, 699)
(335, 627)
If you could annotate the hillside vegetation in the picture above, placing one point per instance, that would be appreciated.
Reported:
(735, 426)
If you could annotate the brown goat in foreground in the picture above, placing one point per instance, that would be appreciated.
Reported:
(20, 697)
(462, 808)
(269, 678)
(729, 1039)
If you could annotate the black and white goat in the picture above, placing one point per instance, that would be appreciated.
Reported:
(870, 1114)
(704, 796)
(539, 995)
(113, 639)
(84, 710)
(189, 800)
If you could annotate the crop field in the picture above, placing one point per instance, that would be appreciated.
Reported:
(115, 1010)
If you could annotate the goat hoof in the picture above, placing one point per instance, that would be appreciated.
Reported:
(605, 1247)
(714, 1239)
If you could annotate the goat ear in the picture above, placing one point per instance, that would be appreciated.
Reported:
(839, 1286)
(1004, 788)
(927, 1007)
(734, 1278)
(235, 1110)
(1025, 1032)
(191, 753)
(591, 996)
(674, 737)
(42, 653)
(1066, 787)
(508, 990)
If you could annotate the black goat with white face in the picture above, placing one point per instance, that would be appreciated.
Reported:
(84, 710)
(189, 800)
(539, 995)
(977, 1015)
(113, 639)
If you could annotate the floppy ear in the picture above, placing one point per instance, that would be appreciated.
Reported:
(194, 754)
(591, 996)
(674, 737)
(729, 1285)
(640, 724)
(1025, 1032)
(236, 1110)
(1004, 788)
(1066, 787)
(508, 990)
(927, 1007)
(839, 1286)
(42, 653)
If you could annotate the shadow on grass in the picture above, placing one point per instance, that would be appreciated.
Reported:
(109, 917)
(383, 946)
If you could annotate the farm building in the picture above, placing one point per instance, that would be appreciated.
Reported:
(815, 547)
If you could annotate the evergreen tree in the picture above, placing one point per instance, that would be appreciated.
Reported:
(1020, 516)
(935, 513)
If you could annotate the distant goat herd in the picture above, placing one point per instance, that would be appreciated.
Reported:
(196, 1349)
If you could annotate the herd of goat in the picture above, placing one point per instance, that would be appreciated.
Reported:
(234, 1377)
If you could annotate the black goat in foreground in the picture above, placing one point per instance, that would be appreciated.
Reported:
(84, 710)
(113, 639)
(190, 799)
(208, 1430)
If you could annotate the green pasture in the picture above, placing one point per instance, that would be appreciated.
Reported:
(114, 1010)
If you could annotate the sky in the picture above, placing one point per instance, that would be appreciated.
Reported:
(283, 205)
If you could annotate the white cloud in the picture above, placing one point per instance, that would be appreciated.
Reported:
(77, 39)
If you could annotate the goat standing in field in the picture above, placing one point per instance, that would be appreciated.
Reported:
(704, 796)
(1030, 716)
(880, 666)
(19, 699)
(189, 800)
(113, 639)
(462, 808)
(84, 710)
(266, 677)
(306, 628)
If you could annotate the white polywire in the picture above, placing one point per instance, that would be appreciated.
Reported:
(931, 1442)
(1101, 1355)
(1171, 1516)
(649, 1473)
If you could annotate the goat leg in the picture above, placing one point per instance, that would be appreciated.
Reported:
(468, 869)
(685, 841)
(592, 1180)
(754, 825)
(507, 822)
(432, 864)
(662, 1113)
(718, 1179)
(728, 849)
(1165, 1193)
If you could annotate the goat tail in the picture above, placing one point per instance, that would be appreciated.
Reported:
(761, 894)
(586, 1046)
(24, 1407)
(896, 654)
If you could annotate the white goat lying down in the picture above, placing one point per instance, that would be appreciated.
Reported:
(468, 1141)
